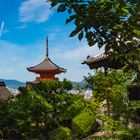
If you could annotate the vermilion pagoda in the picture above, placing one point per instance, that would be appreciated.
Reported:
(46, 69)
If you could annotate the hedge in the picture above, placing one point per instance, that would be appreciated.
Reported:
(61, 133)
(83, 123)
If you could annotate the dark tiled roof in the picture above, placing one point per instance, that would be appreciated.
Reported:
(93, 59)
(46, 65)
(5, 94)
(102, 60)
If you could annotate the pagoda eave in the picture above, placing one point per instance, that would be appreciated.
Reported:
(56, 71)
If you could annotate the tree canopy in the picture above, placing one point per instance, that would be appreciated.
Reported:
(113, 24)
(48, 111)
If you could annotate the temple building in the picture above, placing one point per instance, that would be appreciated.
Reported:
(5, 94)
(102, 60)
(46, 69)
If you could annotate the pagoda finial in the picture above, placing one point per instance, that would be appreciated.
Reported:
(47, 53)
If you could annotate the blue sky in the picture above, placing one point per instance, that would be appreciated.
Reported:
(22, 43)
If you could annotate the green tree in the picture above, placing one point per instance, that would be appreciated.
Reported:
(65, 105)
(113, 88)
(24, 117)
(41, 110)
(113, 24)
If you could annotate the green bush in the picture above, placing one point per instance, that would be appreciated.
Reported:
(83, 123)
(122, 135)
(136, 133)
(24, 117)
(62, 133)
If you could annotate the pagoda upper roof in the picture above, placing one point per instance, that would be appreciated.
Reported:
(46, 66)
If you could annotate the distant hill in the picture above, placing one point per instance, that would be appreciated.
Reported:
(79, 84)
(13, 83)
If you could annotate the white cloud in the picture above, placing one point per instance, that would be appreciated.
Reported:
(34, 10)
(71, 60)
(78, 53)
(15, 58)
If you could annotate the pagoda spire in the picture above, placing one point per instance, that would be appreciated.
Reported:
(47, 52)
(46, 69)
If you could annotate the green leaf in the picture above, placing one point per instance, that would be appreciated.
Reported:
(125, 11)
(117, 5)
(53, 4)
(73, 33)
(69, 11)
(104, 1)
(89, 35)
(70, 19)
(91, 43)
(100, 45)
(80, 36)
(61, 8)
(118, 26)
(136, 31)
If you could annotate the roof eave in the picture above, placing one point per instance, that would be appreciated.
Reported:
(47, 71)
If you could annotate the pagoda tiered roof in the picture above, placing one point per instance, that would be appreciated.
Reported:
(46, 66)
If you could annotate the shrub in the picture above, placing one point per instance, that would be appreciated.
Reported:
(61, 133)
(122, 135)
(83, 123)
(24, 117)
(136, 133)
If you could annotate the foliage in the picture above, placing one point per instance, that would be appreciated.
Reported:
(135, 133)
(46, 109)
(67, 85)
(115, 84)
(24, 116)
(110, 24)
(61, 133)
(65, 106)
(134, 111)
(113, 25)
(123, 134)
(83, 123)
(53, 86)
(111, 86)
(112, 125)
(116, 129)
(40, 109)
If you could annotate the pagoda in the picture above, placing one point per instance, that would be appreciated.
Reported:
(46, 69)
